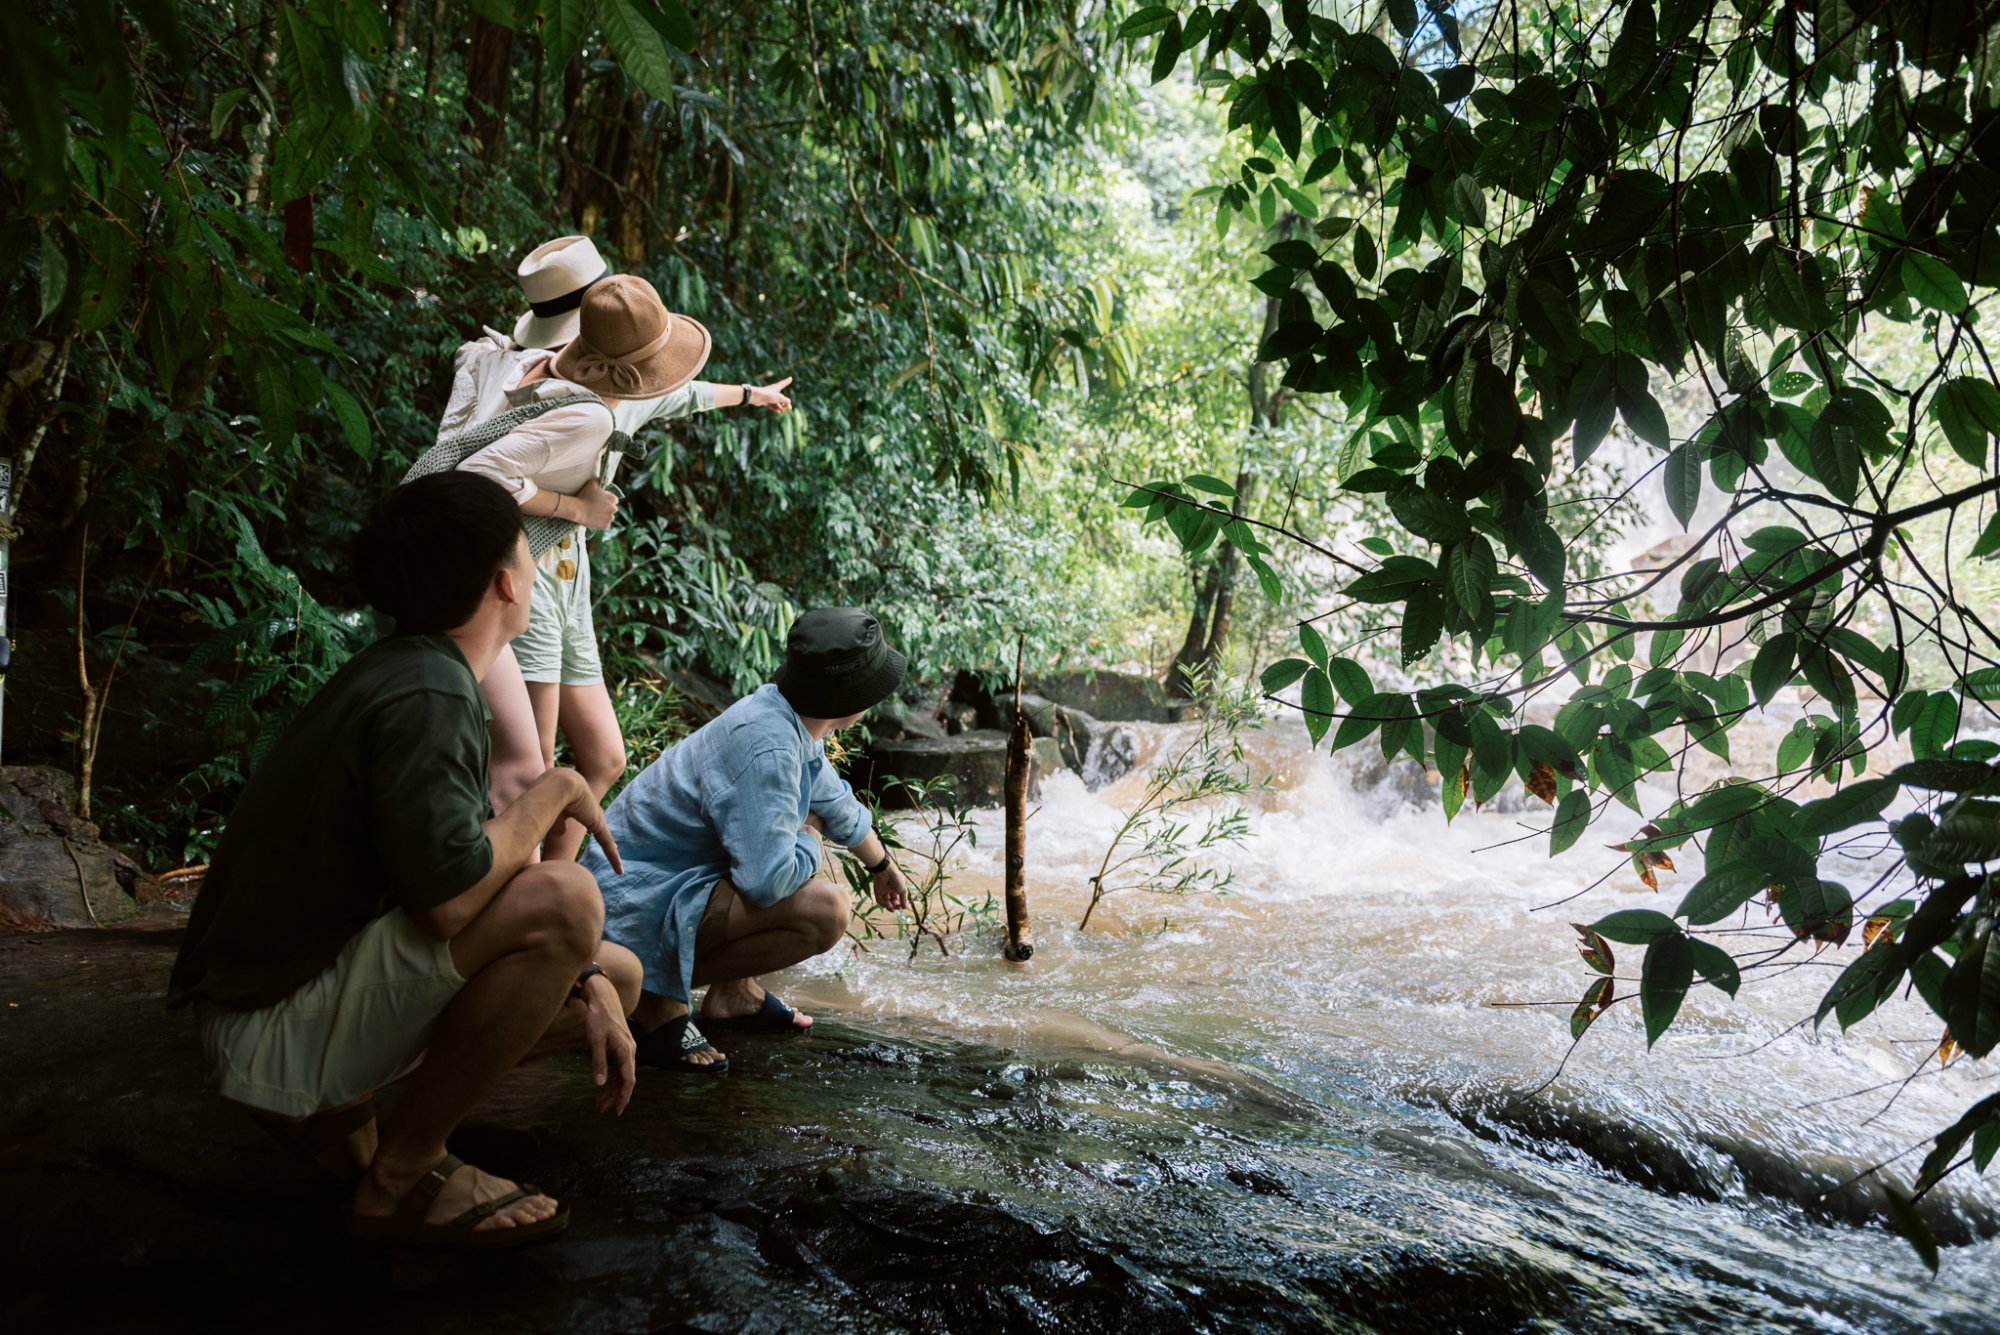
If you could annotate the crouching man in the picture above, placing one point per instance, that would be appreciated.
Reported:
(721, 837)
(367, 916)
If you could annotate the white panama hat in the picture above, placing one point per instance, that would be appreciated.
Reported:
(554, 277)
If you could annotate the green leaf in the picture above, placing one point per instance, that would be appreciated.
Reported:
(1852, 805)
(218, 115)
(1989, 540)
(1168, 53)
(1316, 698)
(638, 45)
(1968, 409)
(1934, 726)
(1664, 980)
(1214, 486)
(1817, 910)
(1932, 283)
(1835, 452)
(1572, 818)
(1903, 1217)
(1644, 416)
(1772, 668)
(1350, 679)
(1393, 581)
(1635, 927)
(1944, 776)
(1683, 480)
(1146, 22)
(1469, 569)
(1283, 673)
(1550, 320)
(1364, 253)
(1312, 642)
(1423, 623)
(1593, 399)
(353, 421)
(1723, 891)
(564, 24)
(1983, 684)
(1716, 966)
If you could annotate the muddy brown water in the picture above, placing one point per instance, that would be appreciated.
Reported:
(1294, 1108)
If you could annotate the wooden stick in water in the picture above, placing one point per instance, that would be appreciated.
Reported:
(1020, 759)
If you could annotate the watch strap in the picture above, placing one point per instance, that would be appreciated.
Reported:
(590, 971)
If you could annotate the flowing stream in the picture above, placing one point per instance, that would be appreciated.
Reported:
(1311, 1082)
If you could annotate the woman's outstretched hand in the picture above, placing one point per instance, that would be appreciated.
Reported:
(772, 396)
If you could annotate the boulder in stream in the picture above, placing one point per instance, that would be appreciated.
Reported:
(54, 870)
(975, 762)
(1116, 697)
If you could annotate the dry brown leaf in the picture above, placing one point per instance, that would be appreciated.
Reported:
(1596, 951)
(1542, 782)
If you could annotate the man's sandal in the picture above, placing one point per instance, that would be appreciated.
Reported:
(406, 1227)
(321, 1136)
(674, 1043)
(773, 1017)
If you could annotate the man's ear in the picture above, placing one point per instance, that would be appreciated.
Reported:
(507, 587)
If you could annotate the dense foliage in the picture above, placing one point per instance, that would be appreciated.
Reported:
(242, 238)
(1760, 237)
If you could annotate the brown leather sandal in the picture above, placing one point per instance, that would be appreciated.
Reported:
(406, 1227)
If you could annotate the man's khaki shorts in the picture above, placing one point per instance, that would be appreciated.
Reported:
(362, 1023)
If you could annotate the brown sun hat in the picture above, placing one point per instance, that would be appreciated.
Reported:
(629, 345)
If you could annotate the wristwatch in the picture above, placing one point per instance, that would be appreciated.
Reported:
(591, 970)
(746, 396)
(881, 866)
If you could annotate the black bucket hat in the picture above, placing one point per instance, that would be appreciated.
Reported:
(837, 663)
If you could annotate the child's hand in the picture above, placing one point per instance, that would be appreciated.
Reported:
(600, 507)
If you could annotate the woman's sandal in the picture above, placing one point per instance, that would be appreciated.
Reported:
(406, 1227)
(773, 1017)
(670, 1046)
(321, 1137)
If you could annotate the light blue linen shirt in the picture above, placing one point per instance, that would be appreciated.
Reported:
(726, 801)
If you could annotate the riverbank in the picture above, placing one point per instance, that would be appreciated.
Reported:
(131, 1199)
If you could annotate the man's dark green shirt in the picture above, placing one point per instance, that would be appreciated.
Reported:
(373, 799)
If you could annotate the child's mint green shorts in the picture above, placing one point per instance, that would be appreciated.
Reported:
(560, 643)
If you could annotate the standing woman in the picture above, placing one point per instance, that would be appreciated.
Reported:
(639, 360)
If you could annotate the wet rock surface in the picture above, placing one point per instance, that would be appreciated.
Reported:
(1116, 697)
(54, 870)
(130, 1198)
(975, 762)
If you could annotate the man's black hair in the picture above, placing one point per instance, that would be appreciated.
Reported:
(431, 547)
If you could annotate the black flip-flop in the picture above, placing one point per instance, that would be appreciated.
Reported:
(669, 1047)
(773, 1017)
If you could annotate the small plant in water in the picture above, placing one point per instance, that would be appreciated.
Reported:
(942, 825)
(1160, 847)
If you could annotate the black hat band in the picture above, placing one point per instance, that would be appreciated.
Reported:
(567, 302)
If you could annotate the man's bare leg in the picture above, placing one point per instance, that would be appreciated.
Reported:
(811, 921)
(622, 967)
(519, 958)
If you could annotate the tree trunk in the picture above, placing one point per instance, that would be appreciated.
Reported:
(489, 75)
(399, 38)
(1207, 637)
(431, 35)
(257, 173)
